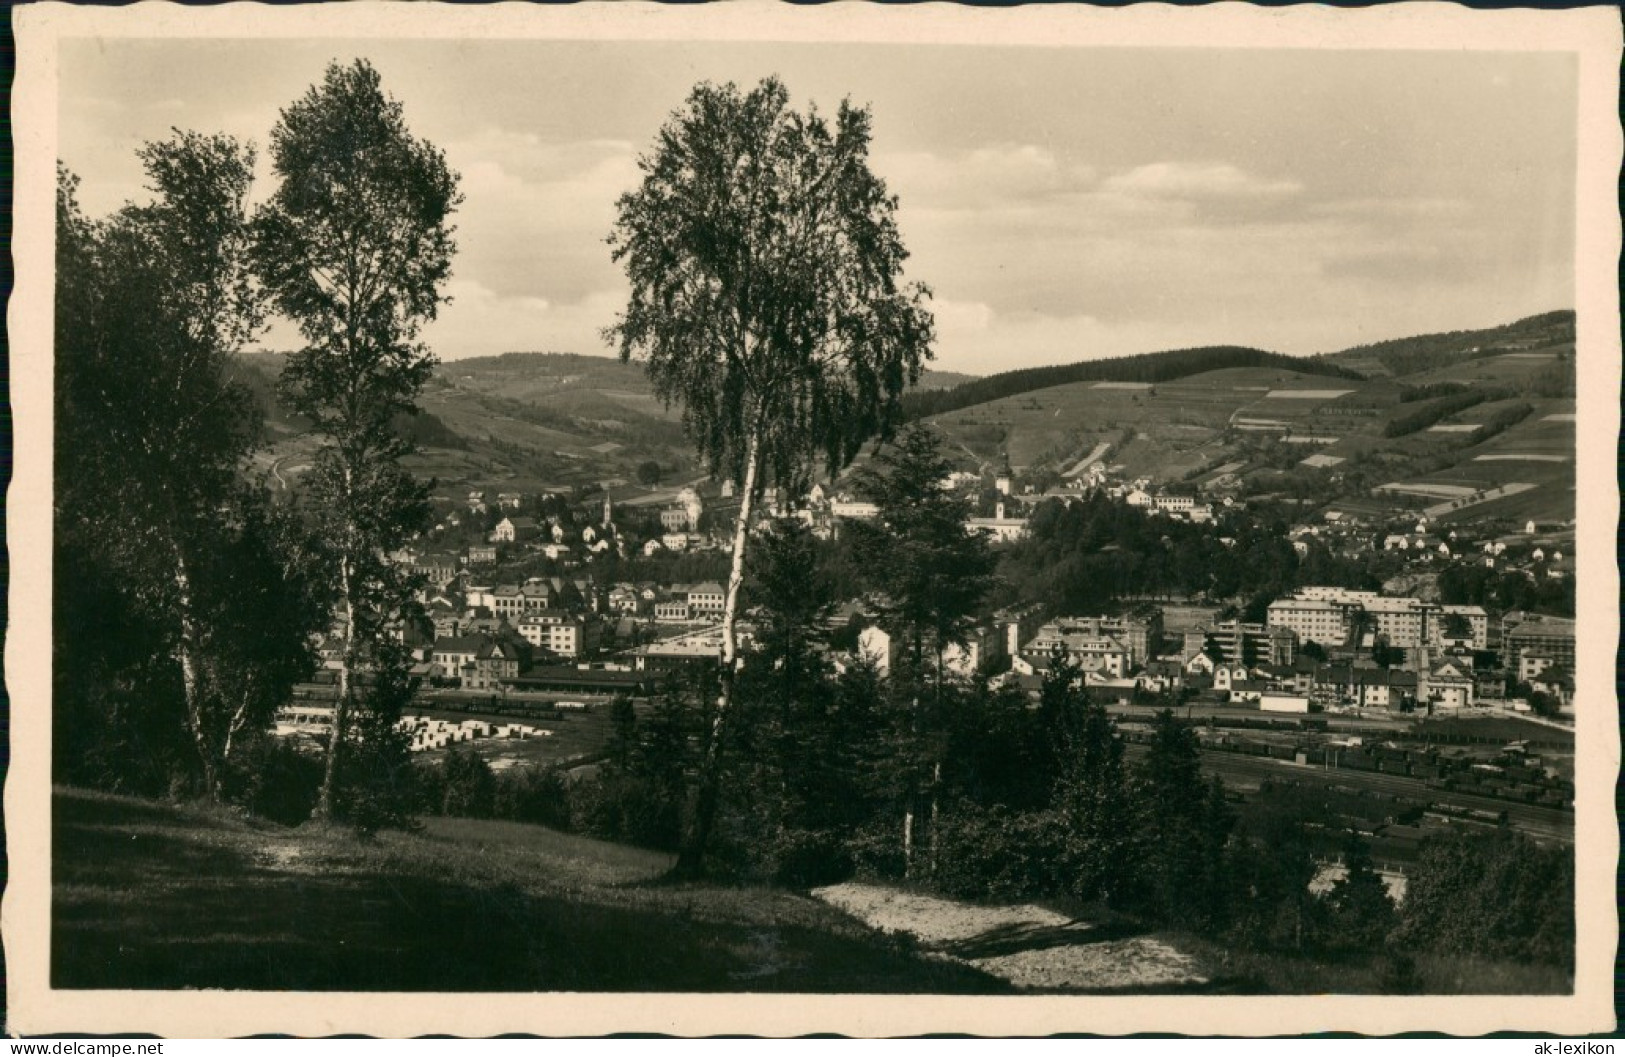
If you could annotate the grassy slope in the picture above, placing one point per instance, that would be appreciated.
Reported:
(152, 896)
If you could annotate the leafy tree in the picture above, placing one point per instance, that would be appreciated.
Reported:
(994, 749)
(354, 247)
(1495, 895)
(649, 472)
(644, 799)
(1092, 794)
(764, 261)
(1385, 655)
(1362, 915)
(1457, 626)
(804, 738)
(1271, 867)
(152, 304)
(258, 599)
(623, 724)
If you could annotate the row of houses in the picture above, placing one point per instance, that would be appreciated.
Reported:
(1180, 506)
(1293, 687)
(678, 603)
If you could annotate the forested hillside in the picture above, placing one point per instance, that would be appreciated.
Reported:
(1427, 352)
(1150, 367)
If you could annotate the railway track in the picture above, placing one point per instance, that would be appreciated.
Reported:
(1545, 823)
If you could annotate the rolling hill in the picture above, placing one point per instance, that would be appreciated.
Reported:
(1480, 419)
(525, 421)
(1477, 423)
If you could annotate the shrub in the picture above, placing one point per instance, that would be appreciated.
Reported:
(533, 794)
(995, 854)
(1400, 975)
(808, 857)
(876, 851)
(615, 805)
(272, 779)
(469, 786)
(1495, 896)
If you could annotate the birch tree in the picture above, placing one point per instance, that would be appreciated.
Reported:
(355, 246)
(767, 300)
(152, 304)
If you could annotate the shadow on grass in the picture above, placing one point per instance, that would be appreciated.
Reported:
(191, 908)
(1013, 939)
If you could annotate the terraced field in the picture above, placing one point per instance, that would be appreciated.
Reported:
(1177, 426)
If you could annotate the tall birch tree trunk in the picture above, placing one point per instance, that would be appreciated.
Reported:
(689, 858)
(191, 683)
(341, 706)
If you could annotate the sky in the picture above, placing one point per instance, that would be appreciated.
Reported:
(1063, 204)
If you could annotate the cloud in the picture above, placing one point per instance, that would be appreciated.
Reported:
(536, 212)
(1405, 262)
(979, 178)
(1396, 208)
(974, 337)
(1197, 181)
(480, 321)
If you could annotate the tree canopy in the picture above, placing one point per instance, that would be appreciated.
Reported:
(765, 265)
(766, 298)
(151, 304)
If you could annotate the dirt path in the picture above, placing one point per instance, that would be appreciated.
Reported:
(1027, 945)
(1088, 460)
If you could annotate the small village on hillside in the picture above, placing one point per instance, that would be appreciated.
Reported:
(872, 600)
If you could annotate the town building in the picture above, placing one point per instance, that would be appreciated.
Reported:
(451, 656)
(1331, 615)
(982, 645)
(497, 663)
(1001, 528)
(1445, 687)
(847, 507)
(1283, 703)
(1239, 642)
(438, 569)
(706, 600)
(1090, 652)
(673, 611)
(508, 601)
(515, 530)
(1542, 638)
(1311, 619)
(1139, 633)
(559, 633)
